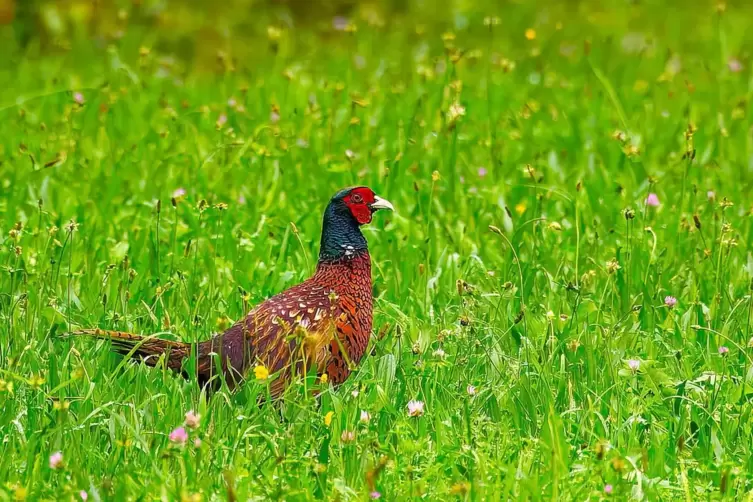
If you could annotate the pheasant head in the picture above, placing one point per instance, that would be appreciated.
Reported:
(346, 212)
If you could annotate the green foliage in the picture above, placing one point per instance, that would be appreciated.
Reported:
(163, 170)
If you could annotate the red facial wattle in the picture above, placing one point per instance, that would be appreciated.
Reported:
(358, 202)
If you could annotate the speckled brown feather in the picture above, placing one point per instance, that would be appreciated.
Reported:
(306, 325)
(324, 322)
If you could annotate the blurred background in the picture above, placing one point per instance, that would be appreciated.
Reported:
(194, 30)
(184, 26)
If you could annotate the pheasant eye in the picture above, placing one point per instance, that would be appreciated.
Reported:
(356, 198)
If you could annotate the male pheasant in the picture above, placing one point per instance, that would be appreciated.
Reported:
(322, 323)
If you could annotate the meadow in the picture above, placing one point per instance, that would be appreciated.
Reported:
(565, 284)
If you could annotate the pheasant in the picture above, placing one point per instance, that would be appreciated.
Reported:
(323, 323)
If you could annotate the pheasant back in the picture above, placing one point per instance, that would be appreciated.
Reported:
(323, 323)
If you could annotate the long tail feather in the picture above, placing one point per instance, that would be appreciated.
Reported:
(149, 349)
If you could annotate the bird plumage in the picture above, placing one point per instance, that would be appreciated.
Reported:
(323, 323)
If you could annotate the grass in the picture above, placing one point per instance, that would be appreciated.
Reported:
(523, 258)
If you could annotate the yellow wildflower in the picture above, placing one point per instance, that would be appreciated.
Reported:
(19, 493)
(261, 372)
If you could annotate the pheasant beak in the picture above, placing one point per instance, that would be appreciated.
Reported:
(380, 203)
